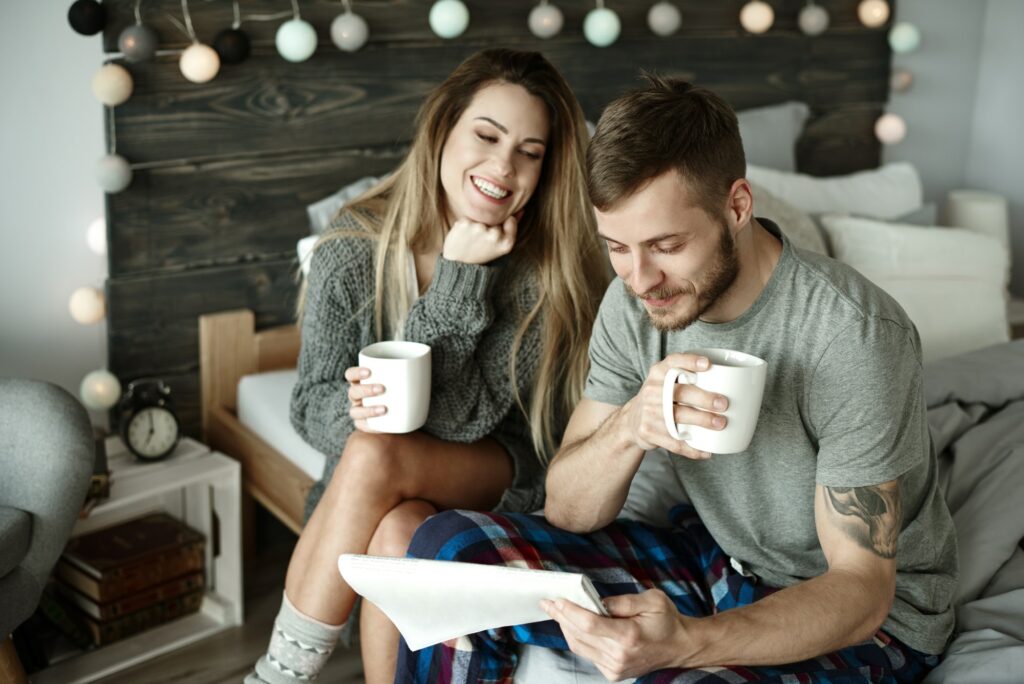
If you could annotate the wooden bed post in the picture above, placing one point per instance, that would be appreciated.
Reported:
(227, 351)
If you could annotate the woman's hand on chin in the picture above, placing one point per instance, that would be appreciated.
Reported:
(475, 243)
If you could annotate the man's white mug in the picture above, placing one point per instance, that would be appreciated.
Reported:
(403, 368)
(737, 376)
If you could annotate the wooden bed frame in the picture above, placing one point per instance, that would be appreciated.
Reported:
(229, 348)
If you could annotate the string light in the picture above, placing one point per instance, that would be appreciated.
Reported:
(873, 13)
(757, 16)
(890, 129)
(199, 62)
(295, 38)
(813, 19)
(664, 19)
(113, 172)
(349, 30)
(601, 26)
(232, 44)
(137, 42)
(448, 18)
(545, 20)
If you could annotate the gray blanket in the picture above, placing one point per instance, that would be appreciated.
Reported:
(976, 416)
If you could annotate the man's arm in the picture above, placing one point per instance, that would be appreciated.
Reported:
(589, 477)
(857, 528)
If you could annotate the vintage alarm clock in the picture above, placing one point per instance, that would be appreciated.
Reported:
(149, 427)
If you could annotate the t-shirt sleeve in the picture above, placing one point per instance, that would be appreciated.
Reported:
(866, 405)
(614, 378)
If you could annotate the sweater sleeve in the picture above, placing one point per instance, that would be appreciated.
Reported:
(332, 335)
(471, 330)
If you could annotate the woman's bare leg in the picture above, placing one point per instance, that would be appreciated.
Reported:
(376, 473)
(377, 636)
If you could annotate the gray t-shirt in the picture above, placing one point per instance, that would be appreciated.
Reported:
(843, 407)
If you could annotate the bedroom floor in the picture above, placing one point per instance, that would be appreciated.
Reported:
(229, 655)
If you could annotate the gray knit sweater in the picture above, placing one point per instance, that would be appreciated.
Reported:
(469, 316)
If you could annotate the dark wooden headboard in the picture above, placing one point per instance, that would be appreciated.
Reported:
(224, 170)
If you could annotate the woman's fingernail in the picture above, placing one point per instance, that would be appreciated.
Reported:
(364, 373)
(703, 362)
(720, 404)
(379, 410)
(378, 389)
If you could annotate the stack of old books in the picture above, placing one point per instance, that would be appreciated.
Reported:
(133, 576)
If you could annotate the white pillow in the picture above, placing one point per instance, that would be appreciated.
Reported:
(948, 280)
(304, 248)
(797, 225)
(322, 212)
(770, 133)
(887, 192)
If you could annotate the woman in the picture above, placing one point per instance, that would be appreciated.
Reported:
(481, 245)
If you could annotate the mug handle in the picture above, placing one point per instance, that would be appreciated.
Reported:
(683, 377)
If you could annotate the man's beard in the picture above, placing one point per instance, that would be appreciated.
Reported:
(719, 278)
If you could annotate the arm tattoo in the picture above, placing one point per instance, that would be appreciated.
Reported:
(872, 516)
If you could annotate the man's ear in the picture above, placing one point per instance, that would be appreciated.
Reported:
(741, 204)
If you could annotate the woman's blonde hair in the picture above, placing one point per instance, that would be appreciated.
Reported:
(556, 242)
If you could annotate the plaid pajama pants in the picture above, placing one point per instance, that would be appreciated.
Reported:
(625, 557)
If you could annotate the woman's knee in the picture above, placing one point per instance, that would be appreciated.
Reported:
(397, 528)
(369, 460)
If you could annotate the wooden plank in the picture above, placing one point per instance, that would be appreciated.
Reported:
(227, 351)
(369, 99)
(153, 321)
(406, 20)
(229, 211)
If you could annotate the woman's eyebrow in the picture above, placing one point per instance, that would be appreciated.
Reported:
(505, 130)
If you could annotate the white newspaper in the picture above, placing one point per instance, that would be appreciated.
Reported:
(431, 601)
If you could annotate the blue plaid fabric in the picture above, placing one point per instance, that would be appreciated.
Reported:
(625, 557)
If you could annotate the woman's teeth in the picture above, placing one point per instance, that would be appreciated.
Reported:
(490, 189)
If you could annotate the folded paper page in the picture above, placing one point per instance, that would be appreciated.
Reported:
(432, 601)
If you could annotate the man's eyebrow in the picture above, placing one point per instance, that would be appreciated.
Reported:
(505, 130)
(656, 238)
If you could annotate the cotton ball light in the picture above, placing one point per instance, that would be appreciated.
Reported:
(113, 173)
(873, 13)
(112, 84)
(100, 390)
(349, 31)
(890, 129)
(601, 26)
(232, 46)
(138, 43)
(199, 63)
(545, 21)
(448, 18)
(904, 37)
(813, 20)
(901, 80)
(664, 19)
(757, 16)
(87, 305)
(295, 40)
(87, 17)
(96, 236)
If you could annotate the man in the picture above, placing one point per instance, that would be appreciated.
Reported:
(824, 548)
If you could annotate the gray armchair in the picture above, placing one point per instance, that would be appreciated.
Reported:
(46, 459)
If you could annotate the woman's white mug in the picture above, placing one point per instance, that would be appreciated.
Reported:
(403, 368)
(739, 377)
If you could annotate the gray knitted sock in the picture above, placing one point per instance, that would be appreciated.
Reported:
(299, 648)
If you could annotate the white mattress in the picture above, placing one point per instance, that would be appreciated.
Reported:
(263, 407)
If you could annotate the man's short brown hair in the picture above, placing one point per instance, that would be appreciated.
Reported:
(669, 124)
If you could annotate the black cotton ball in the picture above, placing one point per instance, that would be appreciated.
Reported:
(232, 45)
(87, 17)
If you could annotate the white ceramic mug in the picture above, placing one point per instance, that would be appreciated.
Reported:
(739, 377)
(403, 368)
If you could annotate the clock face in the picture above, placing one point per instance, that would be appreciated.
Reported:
(152, 432)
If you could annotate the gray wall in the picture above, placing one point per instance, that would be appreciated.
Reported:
(996, 153)
(51, 134)
(960, 114)
(963, 110)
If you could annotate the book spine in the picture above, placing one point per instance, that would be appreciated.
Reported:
(64, 618)
(136, 601)
(119, 628)
(136, 577)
